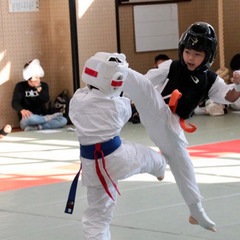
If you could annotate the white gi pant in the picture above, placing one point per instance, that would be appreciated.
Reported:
(164, 129)
(127, 160)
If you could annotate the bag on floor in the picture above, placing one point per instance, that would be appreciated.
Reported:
(61, 104)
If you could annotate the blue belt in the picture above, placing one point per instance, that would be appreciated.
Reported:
(87, 151)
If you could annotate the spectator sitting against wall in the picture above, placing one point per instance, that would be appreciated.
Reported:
(30, 98)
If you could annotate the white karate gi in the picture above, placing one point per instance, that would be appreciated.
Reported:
(163, 126)
(97, 119)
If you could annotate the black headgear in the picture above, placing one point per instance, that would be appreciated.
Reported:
(199, 36)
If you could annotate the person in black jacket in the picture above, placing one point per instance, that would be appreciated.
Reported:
(30, 98)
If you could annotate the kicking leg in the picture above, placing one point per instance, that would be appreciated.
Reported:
(156, 117)
(183, 172)
(151, 161)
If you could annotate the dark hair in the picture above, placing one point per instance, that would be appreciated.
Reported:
(26, 64)
(161, 57)
(235, 62)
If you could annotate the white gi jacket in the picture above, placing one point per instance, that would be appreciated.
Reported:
(100, 124)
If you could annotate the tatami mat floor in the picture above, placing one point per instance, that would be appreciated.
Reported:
(37, 168)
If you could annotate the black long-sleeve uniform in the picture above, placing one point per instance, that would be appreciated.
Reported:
(27, 97)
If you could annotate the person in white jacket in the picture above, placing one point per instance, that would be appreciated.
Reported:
(180, 86)
(99, 113)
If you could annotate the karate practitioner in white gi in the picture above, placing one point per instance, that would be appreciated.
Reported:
(192, 77)
(99, 113)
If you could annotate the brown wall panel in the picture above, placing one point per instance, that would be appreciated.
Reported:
(97, 31)
(188, 13)
(46, 35)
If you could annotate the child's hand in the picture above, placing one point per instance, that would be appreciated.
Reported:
(236, 77)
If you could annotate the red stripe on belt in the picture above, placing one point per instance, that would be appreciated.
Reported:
(101, 177)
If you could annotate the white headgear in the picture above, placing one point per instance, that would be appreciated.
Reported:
(33, 69)
(107, 72)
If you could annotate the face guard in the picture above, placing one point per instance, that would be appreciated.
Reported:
(107, 72)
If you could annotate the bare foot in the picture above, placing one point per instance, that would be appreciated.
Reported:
(195, 222)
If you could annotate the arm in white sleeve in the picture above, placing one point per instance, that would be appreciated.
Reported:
(158, 75)
(219, 90)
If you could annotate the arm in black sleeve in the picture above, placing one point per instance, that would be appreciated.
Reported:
(17, 97)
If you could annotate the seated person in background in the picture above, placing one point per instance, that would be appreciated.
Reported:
(160, 59)
(209, 107)
(30, 98)
(5, 130)
(235, 67)
(212, 108)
